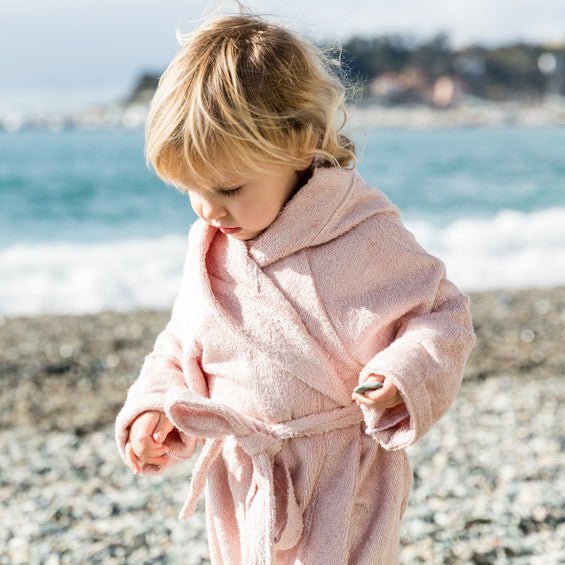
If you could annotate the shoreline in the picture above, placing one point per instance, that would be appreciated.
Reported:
(472, 114)
(370, 114)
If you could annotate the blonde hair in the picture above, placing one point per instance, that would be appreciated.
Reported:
(241, 95)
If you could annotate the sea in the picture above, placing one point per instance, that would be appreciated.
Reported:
(86, 227)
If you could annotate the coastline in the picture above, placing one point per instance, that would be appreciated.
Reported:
(488, 481)
(470, 112)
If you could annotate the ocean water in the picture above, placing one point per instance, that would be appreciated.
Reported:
(85, 226)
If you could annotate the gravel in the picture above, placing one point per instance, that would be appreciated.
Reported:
(488, 486)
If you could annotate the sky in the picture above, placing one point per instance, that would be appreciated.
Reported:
(56, 53)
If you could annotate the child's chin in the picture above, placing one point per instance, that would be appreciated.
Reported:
(245, 235)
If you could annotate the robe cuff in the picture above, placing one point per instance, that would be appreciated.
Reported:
(392, 427)
(427, 385)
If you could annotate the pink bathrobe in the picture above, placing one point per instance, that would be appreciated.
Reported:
(266, 342)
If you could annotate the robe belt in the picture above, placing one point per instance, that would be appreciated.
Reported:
(261, 441)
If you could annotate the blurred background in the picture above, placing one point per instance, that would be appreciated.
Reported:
(62, 56)
(458, 113)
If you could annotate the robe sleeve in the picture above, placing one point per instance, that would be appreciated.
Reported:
(174, 362)
(430, 343)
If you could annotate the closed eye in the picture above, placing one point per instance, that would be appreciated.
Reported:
(229, 191)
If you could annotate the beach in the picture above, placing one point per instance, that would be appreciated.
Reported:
(488, 478)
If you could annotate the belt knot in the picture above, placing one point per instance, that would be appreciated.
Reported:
(203, 418)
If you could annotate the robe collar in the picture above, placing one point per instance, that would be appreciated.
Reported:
(332, 202)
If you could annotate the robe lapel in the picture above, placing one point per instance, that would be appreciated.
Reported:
(266, 320)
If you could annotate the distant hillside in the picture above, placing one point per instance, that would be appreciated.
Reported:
(397, 69)
(520, 71)
(144, 88)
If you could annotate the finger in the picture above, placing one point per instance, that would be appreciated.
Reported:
(155, 451)
(159, 461)
(380, 394)
(383, 399)
(162, 429)
(151, 456)
(131, 458)
(148, 448)
(387, 393)
(362, 399)
(392, 394)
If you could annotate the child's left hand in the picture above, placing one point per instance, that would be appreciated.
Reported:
(386, 397)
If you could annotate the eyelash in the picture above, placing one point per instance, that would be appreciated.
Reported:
(229, 192)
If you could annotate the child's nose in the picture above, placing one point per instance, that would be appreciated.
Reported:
(212, 210)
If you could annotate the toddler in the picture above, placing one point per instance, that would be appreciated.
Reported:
(300, 283)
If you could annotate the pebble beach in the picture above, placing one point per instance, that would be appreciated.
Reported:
(489, 485)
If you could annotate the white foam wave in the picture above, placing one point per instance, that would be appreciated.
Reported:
(77, 279)
(510, 250)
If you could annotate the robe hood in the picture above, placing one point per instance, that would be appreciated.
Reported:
(330, 204)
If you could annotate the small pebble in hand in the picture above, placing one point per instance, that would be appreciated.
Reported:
(362, 389)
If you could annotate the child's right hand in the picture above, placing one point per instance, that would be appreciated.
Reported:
(146, 442)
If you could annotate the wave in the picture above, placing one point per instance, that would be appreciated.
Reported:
(510, 250)
(74, 278)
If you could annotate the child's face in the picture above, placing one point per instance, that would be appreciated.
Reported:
(249, 204)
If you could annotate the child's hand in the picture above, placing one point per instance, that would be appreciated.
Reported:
(386, 397)
(146, 442)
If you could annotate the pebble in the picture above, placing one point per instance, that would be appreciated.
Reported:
(488, 488)
(498, 494)
(488, 484)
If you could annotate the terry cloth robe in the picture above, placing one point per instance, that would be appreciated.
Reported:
(266, 342)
